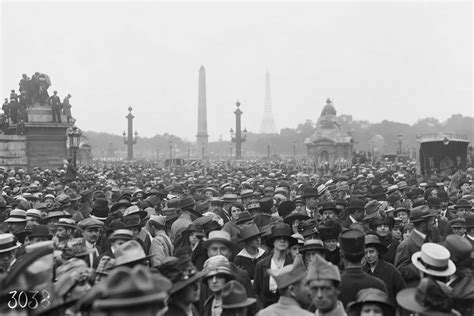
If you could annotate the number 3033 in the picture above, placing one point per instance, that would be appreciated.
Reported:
(29, 299)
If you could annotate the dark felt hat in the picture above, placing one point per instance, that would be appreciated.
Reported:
(420, 213)
(310, 192)
(295, 216)
(244, 217)
(371, 296)
(356, 204)
(329, 229)
(266, 204)
(462, 203)
(352, 242)
(40, 231)
(234, 295)
(249, 232)
(285, 208)
(181, 272)
(374, 241)
(281, 230)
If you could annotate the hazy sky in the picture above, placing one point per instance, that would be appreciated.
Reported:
(393, 60)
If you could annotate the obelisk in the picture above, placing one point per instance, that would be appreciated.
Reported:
(202, 136)
(268, 123)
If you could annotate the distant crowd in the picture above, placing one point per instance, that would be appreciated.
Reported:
(236, 238)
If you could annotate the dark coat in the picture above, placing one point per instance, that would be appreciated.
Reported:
(261, 280)
(390, 276)
(353, 280)
(403, 258)
(248, 264)
(392, 245)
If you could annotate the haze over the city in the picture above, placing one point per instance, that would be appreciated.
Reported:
(399, 61)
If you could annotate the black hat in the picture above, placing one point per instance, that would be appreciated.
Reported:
(266, 204)
(329, 229)
(352, 242)
(374, 241)
(132, 221)
(434, 202)
(387, 220)
(329, 206)
(295, 216)
(186, 202)
(356, 204)
(281, 230)
(462, 203)
(420, 213)
(310, 192)
(249, 232)
(40, 231)
(244, 217)
(285, 208)
(100, 209)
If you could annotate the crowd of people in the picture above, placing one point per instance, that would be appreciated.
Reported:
(33, 91)
(241, 238)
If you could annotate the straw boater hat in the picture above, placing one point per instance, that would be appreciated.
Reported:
(127, 287)
(433, 259)
(429, 298)
(66, 222)
(235, 296)
(16, 216)
(8, 242)
(122, 234)
(371, 296)
(313, 245)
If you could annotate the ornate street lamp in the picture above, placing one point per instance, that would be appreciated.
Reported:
(74, 134)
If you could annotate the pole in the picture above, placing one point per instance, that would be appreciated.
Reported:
(294, 151)
(203, 153)
(74, 157)
(130, 134)
(171, 154)
(238, 132)
(268, 151)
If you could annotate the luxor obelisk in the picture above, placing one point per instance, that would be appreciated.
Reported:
(202, 136)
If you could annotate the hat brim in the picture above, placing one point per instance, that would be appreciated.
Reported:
(295, 216)
(243, 239)
(98, 218)
(129, 260)
(182, 284)
(17, 245)
(271, 239)
(127, 301)
(208, 242)
(247, 302)
(406, 298)
(116, 206)
(415, 259)
(243, 220)
(388, 309)
(379, 246)
(15, 220)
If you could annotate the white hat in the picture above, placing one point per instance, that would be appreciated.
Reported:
(16, 216)
(8, 242)
(433, 259)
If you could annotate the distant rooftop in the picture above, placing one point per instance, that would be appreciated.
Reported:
(434, 137)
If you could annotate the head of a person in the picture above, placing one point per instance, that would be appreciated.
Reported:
(218, 243)
(235, 210)
(323, 281)
(217, 273)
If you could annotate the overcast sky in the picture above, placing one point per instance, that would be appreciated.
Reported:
(399, 61)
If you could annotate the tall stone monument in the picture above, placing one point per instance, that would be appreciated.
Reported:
(268, 123)
(202, 136)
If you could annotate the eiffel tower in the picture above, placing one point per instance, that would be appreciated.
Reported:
(268, 123)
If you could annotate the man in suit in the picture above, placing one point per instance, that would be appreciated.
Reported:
(470, 234)
(353, 279)
(422, 220)
(91, 230)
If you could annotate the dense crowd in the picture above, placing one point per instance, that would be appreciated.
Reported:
(236, 238)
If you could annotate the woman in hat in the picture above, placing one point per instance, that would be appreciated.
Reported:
(217, 273)
(372, 302)
(382, 227)
(252, 253)
(232, 226)
(376, 266)
(186, 288)
(329, 233)
(280, 240)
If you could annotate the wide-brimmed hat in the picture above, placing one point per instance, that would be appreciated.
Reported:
(16, 216)
(469, 221)
(8, 242)
(372, 209)
(40, 231)
(308, 228)
(33, 213)
(128, 287)
(285, 208)
(281, 230)
(295, 216)
(420, 213)
(129, 252)
(234, 295)
(434, 259)
(313, 245)
(218, 236)
(217, 265)
(374, 241)
(181, 272)
(244, 217)
(371, 296)
(430, 297)
(459, 247)
(249, 232)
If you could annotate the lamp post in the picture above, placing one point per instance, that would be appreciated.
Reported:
(128, 138)
(268, 151)
(239, 136)
(294, 150)
(189, 152)
(74, 134)
(399, 143)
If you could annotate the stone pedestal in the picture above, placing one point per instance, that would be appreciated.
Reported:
(45, 141)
